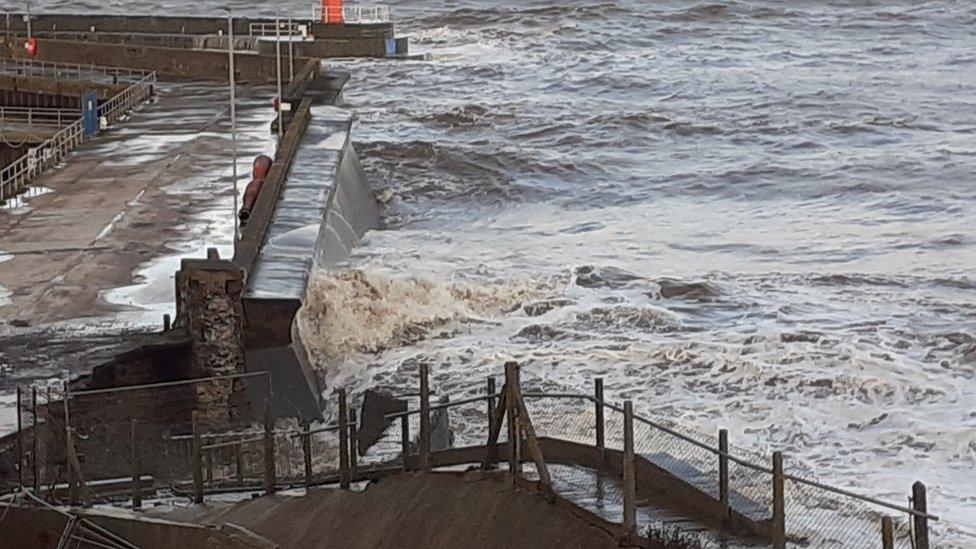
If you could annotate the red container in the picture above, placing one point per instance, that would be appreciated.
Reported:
(332, 12)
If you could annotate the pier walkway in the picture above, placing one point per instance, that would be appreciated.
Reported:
(137, 192)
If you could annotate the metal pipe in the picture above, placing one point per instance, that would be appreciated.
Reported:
(281, 127)
(169, 383)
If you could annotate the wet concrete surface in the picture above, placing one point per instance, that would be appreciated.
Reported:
(90, 260)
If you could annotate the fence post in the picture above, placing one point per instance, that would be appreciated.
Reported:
(353, 446)
(723, 468)
(239, 460)
(779, 503)
(307, 455)
(511, 395)
(74, 475)
(208, 460)
(343, 441)
(166, 322)
(424, 417)
(491, 408)
(136, 473)
(197, 461)
(270, 473)
(630, 475)
(34, 466)
(920, 504)
(599, 410)
(405, 441)
(20, 441)
(887, 533)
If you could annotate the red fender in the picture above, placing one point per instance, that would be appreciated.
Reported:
(259, 171)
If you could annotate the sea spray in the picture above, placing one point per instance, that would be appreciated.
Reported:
(357, 311)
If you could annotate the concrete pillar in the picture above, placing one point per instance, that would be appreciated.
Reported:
(209, 307)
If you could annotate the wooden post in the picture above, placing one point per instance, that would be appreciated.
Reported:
(136, 472)
(599, 410)
(405, 442)
(723, 468)
(353, 446)
(197, 461)
(511, 382)
(166, 322)
(20, 441)
(307, 455)
(491, 398)
(74, 473)
(208, 460)
(270, 473)
(34, 465)
(424, 417)
(779, 502)
(343, 441)
(920, 504)
(887, 533)
(491, 408)
(239, 461)
(630, 474)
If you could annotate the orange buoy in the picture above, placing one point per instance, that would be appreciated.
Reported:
(31, 46)
(332, 12)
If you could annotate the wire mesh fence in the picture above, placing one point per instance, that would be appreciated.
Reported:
(152, 426)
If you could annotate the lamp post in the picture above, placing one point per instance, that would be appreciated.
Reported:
(233, 120)
(281, 128)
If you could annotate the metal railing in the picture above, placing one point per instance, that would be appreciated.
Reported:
(38, 116)
(352, 15)
(284, 29)
(123, 102)
(15, 177)
(29, 67)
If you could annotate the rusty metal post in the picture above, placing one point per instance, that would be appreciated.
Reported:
(920, 504)
(20, 441)
(630, 473)
(307, 455)
(270, 473)
(343, 441)
(197, 461)
(136, 472)
(405, 441)
(779, 502)
(34, 465)
(599, 410)
(353, 446)
(887, 533)
(723, 468)
(424, 417)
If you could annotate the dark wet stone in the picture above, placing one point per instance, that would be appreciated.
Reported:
(803, 337)
(537, 308)
(686, 290)
(589, 276)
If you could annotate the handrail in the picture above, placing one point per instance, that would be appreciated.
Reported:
(352, 14)
(33, 67)
(685, 438)
(16, 175)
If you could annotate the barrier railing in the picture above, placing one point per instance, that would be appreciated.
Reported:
(38, 116)
(565, 442)
(351, 15)
(15, 177)
(284, 29)
(30, 67)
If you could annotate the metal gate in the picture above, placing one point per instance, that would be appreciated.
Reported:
(89, 113)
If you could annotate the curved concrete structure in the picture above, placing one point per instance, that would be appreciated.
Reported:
(324, 206)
